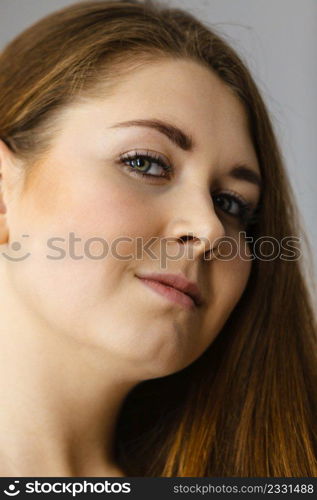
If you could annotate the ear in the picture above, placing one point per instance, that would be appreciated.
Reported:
(6, 158)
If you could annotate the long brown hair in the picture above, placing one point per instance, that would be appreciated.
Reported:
(248, 405)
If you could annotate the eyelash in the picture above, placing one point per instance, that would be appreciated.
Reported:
(246, 215)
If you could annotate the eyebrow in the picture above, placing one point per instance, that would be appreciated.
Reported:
(185, 142)
(245, 173)
(173, 133)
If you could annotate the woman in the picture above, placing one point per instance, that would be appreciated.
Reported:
(135, 142)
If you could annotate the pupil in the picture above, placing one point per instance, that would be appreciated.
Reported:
(222, 201)
(141, 162)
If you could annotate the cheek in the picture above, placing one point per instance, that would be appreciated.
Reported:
(57, 203)
(111, 212)
(227, 284)
(66, 278)
(230, 280)
(113, 218)
(231, 276)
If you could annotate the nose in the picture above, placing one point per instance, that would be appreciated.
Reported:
(194, 221)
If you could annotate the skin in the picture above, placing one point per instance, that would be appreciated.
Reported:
(78, 334)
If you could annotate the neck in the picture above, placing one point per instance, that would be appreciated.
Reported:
(62, 399)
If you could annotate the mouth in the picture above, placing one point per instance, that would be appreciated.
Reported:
(170, 293)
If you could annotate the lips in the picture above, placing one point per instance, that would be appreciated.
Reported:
(178, 282)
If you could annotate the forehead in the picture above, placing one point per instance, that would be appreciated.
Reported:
(183, 89)
(180, 91)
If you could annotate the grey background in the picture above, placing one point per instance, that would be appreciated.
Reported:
(278, 40)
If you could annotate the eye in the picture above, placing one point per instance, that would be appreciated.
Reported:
(234, 205)
(141, 164)
(153, 166)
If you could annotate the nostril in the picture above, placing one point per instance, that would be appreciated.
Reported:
(188, 237)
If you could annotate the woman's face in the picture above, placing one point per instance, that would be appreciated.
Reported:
(84, 197)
